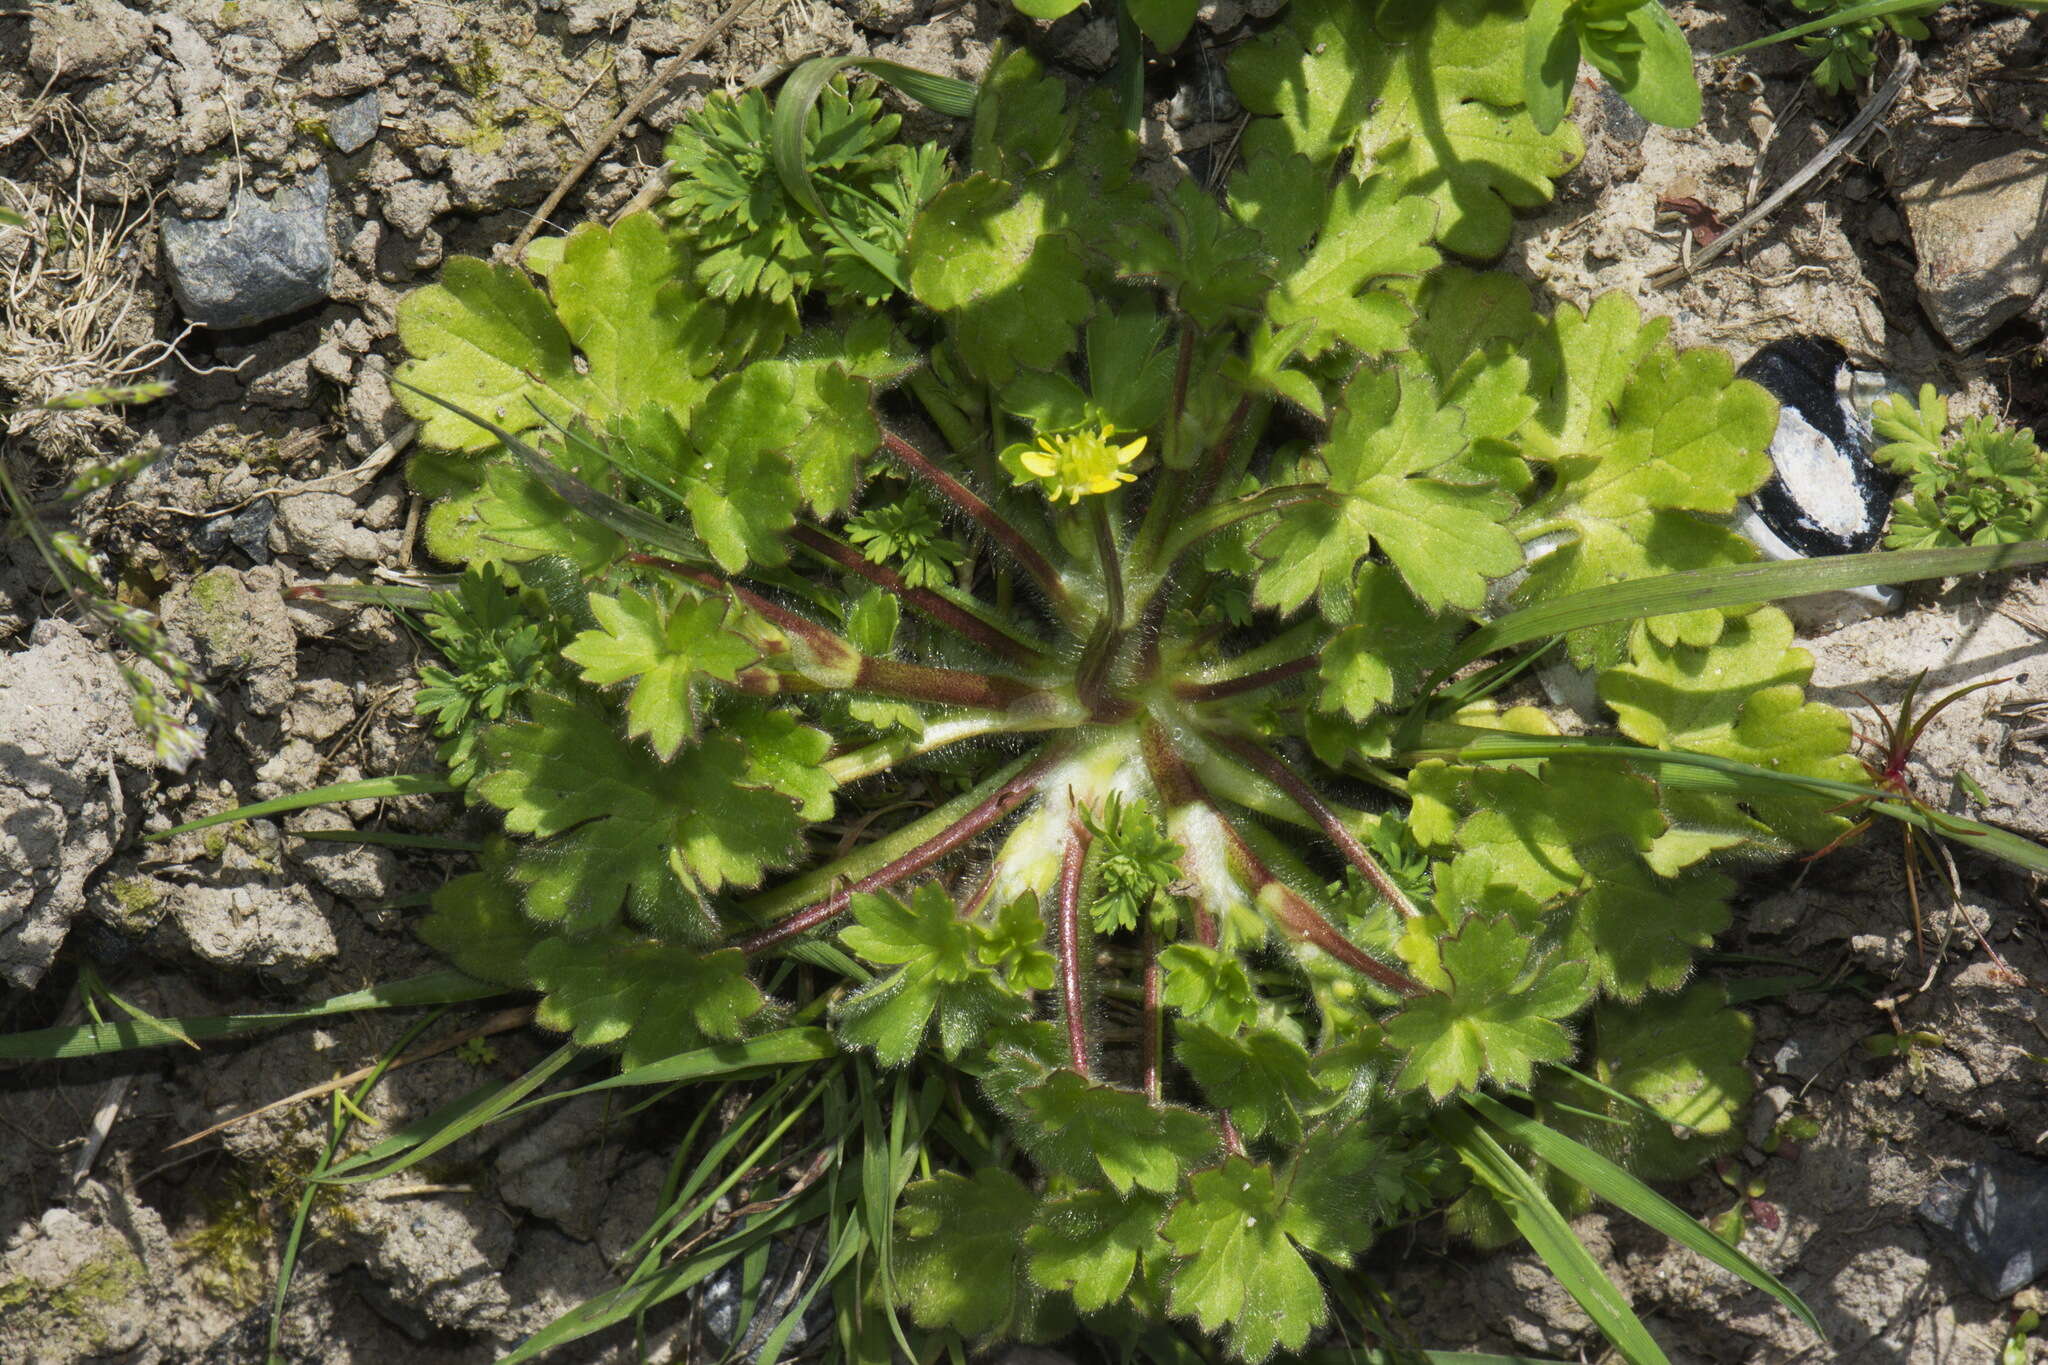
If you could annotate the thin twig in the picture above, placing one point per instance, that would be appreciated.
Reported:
(1865, 119)
(635, 106)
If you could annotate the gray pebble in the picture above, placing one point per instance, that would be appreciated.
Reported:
(258, 261)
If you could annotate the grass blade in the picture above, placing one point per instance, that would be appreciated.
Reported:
(121, 1035)
(1735, 585)
(445, 1126)
(1875, 9)
(1727, 776)
(1635, 1199)
(1552, 1237)
(334, 794)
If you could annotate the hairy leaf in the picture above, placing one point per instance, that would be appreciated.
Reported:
(960, 1254)
(1382, 460)
(1236, 1262)
(664, 649)
(1499, 1014)
(1092, 1242)
(1429, 97)
(1639, 438)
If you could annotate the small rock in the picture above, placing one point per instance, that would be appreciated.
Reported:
(88, 39)
(1979, 219)
(234, 623)
(247, 530)
(783, 1283)
(64, 728)
(275, 930)
(556, 1169)
(1797, 1060)
(1994, 1224)
(324, 529)
(351, 127)
(256, 262)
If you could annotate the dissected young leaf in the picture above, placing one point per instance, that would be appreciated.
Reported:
(939, 971)
(1499, 1015)
(1382, 459)
(1237, 1263)
(987, 258)
(1088, 1131)
(1639, 438)
(1261, 1077)
(1433, 103)
(1207, 985)
(659, 999)
(665, 648)
(1741, 697)
(1091, 1243)
(1014, 945)
(621, 827)
(960, 1251)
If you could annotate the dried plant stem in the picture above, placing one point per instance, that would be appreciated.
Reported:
(635, 106)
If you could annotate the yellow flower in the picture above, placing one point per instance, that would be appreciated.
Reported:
(1080, 463)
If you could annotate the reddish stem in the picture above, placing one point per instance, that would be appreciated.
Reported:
(923, 600)
(1232, 1142)
(1275, 770)
(946, 686)
(1071, 865)
(1179, 786)
(887, 677)
(1249, 682)
(961, 496)
(1000, 803)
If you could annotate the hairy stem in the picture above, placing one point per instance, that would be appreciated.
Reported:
(991, 808)
(1178, 786)
(961, 620)
(1072, 862)
(1249, 682)
(829, 659)
(1149, 947)
(885, 754)
(981, 514)
(1275, 770)
(1099, 657)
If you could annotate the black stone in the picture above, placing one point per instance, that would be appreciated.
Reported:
(261, 261)
(1806, 374)
(1994, 1224)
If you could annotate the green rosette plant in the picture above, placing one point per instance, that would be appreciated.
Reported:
(1070, 676)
